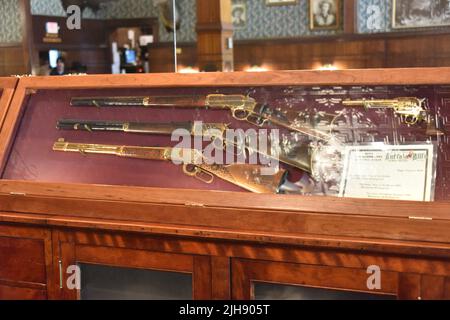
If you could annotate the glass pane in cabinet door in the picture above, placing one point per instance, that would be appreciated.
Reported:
(268, 291)
(113, 283)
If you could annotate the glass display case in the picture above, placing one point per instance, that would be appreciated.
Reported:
(116, 173)
(348, 139)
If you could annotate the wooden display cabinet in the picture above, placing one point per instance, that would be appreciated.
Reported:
(225, 241)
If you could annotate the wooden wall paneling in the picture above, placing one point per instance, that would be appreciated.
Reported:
(348, 51)
(214, 27)
(350, 16)
(161, 57)
(423, 51)
(15, 57)
(12, 59)
(293, 55)
(27, 31)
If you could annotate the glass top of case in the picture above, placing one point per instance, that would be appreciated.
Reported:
(385, 142)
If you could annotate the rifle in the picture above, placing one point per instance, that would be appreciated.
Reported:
(210, 130)
(246, 176)
(297, 156)
(243, 108)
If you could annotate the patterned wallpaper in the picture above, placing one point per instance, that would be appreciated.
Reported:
(55, 8)
(374, 16)
(47, 8)
(10, 26)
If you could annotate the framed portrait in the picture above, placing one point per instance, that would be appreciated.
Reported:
(420, 13)
(280, 2)
(239, 15)
(324, 14)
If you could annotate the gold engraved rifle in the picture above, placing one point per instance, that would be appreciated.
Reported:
(246, 176)
(297, 156)
(243, 108)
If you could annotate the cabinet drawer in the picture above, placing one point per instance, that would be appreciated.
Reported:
(22, 260)
(15, 293)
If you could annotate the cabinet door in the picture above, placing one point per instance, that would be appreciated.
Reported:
(120, 273)
(25, 262)
(434, 287)
(262, 280)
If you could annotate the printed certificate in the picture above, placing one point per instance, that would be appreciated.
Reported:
(404, 172)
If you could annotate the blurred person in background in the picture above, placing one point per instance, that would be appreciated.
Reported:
(60, 68)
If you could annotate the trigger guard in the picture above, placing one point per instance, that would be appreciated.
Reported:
(411, 120)
(190, 173)
(244, 112)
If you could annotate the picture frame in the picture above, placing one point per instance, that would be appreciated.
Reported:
(325, 14)
(239, 15)
(281, 2)
(414, 14)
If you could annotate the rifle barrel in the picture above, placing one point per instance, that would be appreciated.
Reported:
(139, 101)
